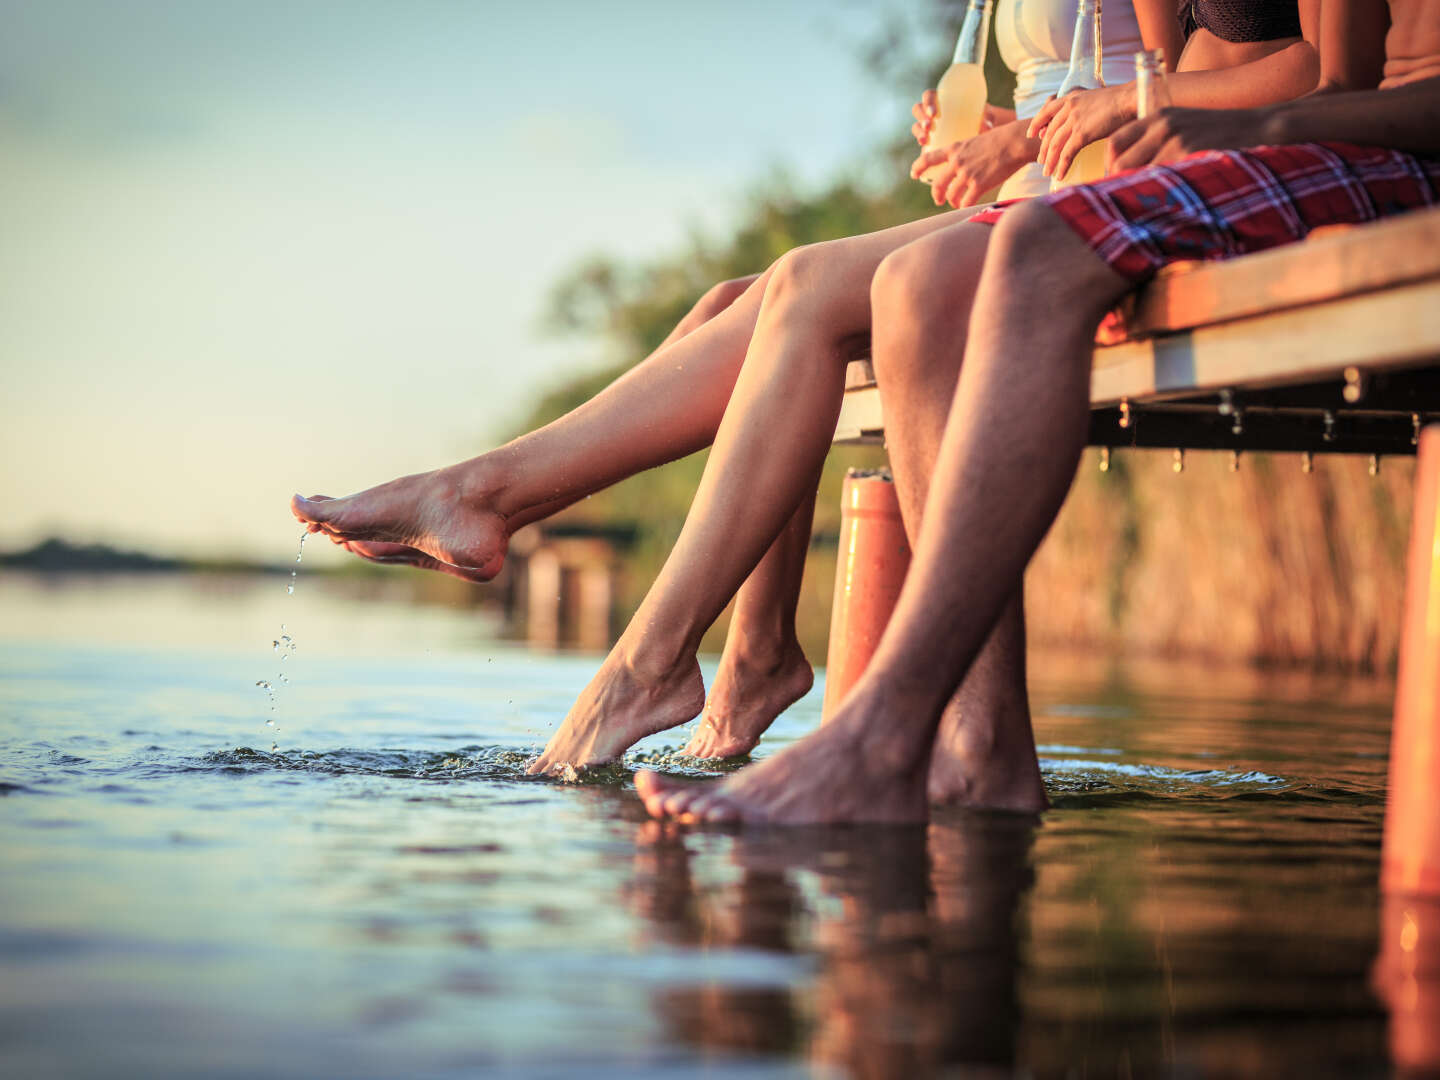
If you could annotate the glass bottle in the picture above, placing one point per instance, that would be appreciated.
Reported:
(961, 92)
(1152, 92)
(1087, 54)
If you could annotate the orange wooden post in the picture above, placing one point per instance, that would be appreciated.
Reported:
(874, 556)
(1407, 971)
(1410, 861)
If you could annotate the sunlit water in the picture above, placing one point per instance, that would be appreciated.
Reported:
(387, 894)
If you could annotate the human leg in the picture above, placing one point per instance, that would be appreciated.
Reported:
(995, 491)
(984, 752)
(772, 441)
(763, 670)
(664, 408)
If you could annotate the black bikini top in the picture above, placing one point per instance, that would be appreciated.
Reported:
(1245, 20)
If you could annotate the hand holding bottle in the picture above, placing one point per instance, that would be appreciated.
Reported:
(959, 173)
(928, 106)
(1067, 124)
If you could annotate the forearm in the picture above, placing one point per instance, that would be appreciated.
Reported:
(1406, 118)
(1281, 76)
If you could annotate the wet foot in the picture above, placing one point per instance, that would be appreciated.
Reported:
(619, 708)
(400, 555)
(831, 777)
(987, 761)
(431, 513)
(745, 700)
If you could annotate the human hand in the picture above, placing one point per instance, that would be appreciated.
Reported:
(1068, 124)
(1172, 134)
(965, 169)
(925, 110)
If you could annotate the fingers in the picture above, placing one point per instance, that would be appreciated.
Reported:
(926, 160)
(1137, 144)
(1039, 121)
(1053, 142)
(931, 101)
(1066, 157)
(955, 189)
(924, 112)
(940, 180)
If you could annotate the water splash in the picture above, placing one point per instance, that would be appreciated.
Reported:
(283, 646)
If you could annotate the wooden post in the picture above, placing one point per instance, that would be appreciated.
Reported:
(873, 558)
(1410, 860)
(542, 597)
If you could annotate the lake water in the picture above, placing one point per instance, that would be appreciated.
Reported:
(387, 895)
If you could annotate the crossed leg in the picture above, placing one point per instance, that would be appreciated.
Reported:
(994, 494)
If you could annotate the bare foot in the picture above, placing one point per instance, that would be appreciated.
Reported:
(432, 513)
(745, 700)
(831, 777)
(400, 555)
(986, 759)
(619, 708)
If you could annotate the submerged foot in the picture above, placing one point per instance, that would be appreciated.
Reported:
(831, 777)
(618, 709)
(429, 513)
(984, 758)
(745, 700)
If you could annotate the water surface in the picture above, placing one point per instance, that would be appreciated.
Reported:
(386, 894)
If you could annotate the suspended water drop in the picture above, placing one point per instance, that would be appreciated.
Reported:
(274, 747)
(270, 722)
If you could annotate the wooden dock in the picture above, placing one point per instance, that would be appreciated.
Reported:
(1329, 346)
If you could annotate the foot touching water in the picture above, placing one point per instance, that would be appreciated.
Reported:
(432, 513)
(745, 700)
(620, 707)
(830, 777)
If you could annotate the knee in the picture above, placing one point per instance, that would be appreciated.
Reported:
(719, 297)
(1034, 251)
(797, 279)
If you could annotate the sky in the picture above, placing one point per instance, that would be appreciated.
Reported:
(252, 248)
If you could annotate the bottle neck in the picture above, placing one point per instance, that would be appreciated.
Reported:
(1086, 50)
(974, 34)
(1152, 92)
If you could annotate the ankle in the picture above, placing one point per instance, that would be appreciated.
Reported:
(765, 654)
(482, 483)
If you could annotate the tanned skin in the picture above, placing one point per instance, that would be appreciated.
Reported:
(991, 500)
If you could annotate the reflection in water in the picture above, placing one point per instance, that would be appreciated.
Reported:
(391, 895)
(1407, 978)
(914, 938)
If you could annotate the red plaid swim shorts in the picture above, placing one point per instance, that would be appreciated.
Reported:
(1222, 203)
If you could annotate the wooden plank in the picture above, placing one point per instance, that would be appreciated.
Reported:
(1397, 327)
(1332, 263)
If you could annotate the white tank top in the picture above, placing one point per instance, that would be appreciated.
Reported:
(1034, 40)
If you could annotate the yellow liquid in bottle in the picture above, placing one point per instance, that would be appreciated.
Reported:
(960, 106)
(1088, 166)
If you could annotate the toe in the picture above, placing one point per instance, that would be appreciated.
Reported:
(720, 812)
(311, 511)
(658, 792)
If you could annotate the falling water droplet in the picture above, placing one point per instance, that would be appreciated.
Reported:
(270, 722)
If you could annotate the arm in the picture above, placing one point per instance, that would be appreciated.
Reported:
(1406, 118)
(1066, 125)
